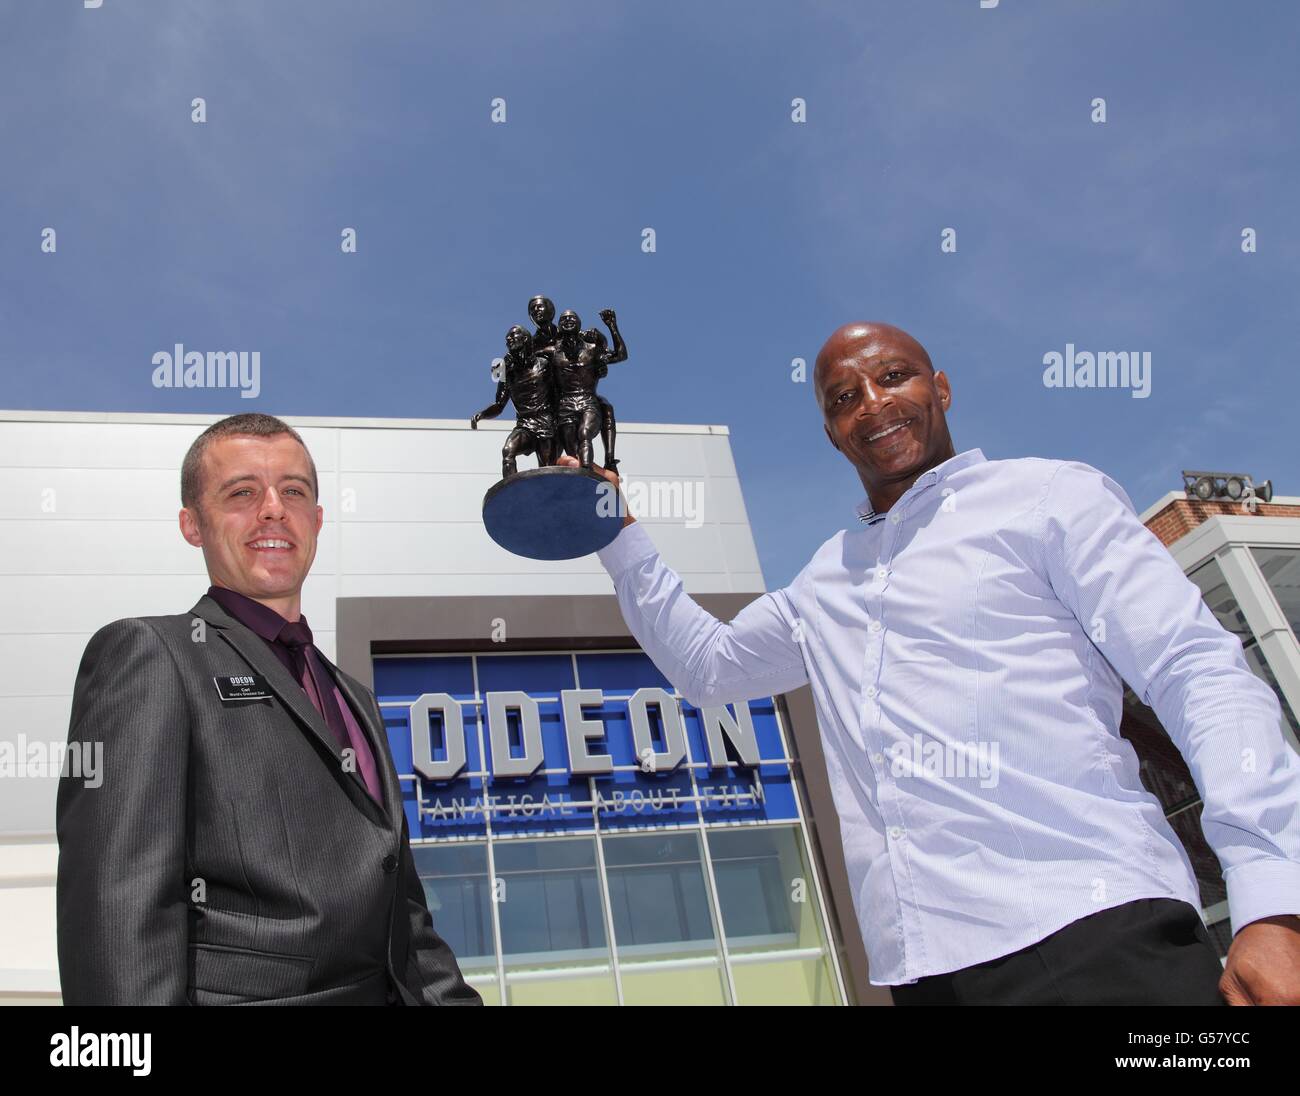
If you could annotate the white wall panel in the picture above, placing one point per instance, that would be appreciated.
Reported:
(48, 663)
(26, 801)
(664, 455)
(429, 451)
(55, 494)
(94, 445)
(738, 547)
(111, 548)
(717, 455)
(414, 496)
(594, 582)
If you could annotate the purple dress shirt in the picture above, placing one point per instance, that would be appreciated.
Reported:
(290, 641)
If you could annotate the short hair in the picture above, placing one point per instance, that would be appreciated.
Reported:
(251, 425)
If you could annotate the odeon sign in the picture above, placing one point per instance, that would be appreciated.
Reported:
(720, 726)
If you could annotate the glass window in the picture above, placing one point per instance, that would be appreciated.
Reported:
(551, 897)
(455, 879)
(668, 950)
(1221, 600)
(1223, 603)
(552, 926)
(1259, 664)
(771, 917)
(656, 890)
(1281, 570)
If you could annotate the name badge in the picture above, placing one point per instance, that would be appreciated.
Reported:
(242, 687)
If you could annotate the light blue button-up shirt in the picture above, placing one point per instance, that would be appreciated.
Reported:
(965, 651)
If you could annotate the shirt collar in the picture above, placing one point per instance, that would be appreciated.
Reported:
(867, 513)
(255, 616)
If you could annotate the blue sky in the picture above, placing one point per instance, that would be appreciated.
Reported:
(920, 116)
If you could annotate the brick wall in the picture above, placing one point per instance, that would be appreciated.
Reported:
(1181, 516)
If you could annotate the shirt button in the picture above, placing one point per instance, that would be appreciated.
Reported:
(877, 758)
(875, 625)
(893, 519)
(895, 832)
(881, 573)
(871, 691)
(389, 864)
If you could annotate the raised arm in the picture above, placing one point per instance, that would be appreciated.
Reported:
(618, 348)
(122, 891)
(709, 662)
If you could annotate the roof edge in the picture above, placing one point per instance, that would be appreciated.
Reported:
(1173, 496)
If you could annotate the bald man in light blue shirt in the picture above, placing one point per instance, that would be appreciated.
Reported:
(966, 642)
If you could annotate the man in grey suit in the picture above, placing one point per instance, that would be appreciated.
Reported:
(247, 844)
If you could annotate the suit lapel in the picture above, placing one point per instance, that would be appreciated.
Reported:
(261, 658)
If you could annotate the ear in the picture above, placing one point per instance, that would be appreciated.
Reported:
(829, 437)
(944, 389)
(190, 528)
(320, 518)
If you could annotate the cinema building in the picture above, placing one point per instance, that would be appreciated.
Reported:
(584, 834)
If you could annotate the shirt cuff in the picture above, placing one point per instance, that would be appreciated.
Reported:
(632, 546)
(1262, 888)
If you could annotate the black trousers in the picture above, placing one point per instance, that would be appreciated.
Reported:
(1154, 951)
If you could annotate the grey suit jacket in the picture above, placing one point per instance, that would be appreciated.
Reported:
(228, 856)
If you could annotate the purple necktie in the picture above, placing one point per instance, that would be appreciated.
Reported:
(320, 690)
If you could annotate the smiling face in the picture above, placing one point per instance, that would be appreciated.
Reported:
(518, 340)
(883, 405)
(256, 519)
